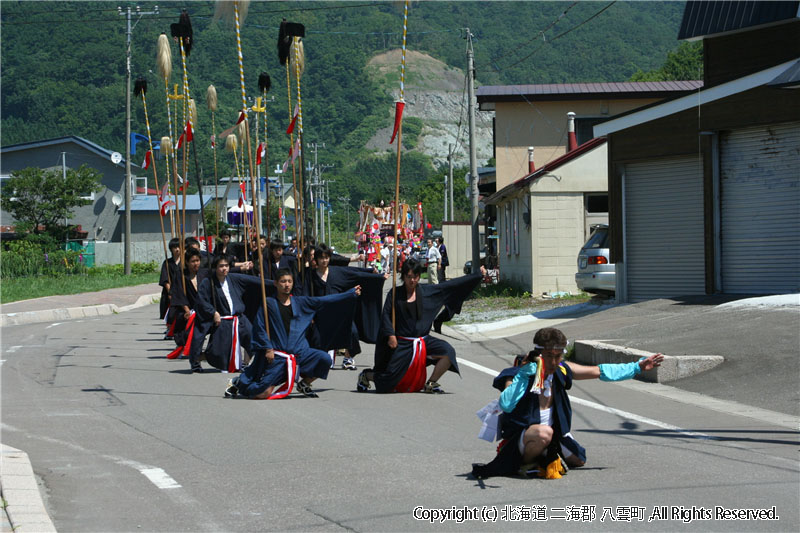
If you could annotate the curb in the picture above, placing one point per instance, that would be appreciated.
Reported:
(673, 368)
(72, 313)
(22, 499)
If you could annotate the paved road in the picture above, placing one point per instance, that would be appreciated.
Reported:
(124, 440)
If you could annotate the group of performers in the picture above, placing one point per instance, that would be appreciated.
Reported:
(315, 311)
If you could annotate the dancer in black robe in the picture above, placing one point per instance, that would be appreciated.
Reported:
(403, 351)
(172, 266)
(184, 300)
(323, 280)
(216, 315)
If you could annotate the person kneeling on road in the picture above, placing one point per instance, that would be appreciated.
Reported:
(271, 377)
(536, 418)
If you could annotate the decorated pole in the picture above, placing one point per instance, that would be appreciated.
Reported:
(182, 32)
(286, 35)
(211, 102)
(237, 6)
(398, 131)
(164, 64)
(140, 88)
(164, 202)
(297, 57)
(264, 84)
(193, 122)
(231, 144)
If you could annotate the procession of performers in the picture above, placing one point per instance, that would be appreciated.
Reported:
(215, 315)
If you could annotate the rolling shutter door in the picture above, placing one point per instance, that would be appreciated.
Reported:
(760, 209)
(664, 250)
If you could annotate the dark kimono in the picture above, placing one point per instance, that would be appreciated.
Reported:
(245, 294)
(367, 318)
(527, 413)
(183, 333)
(174, 274)
(332, 314)
(413, 321)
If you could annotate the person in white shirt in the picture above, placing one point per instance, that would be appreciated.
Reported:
(434, 257)
(386, 258)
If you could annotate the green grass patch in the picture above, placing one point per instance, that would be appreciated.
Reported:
(14, 289)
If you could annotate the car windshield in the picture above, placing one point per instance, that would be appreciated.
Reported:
(599, 239)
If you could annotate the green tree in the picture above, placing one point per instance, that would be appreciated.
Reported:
(683, 63)
(36, 197)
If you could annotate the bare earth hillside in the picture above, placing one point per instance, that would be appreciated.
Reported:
(436, 94)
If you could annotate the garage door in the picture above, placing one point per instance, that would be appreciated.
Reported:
(760, 210)
(664, 250)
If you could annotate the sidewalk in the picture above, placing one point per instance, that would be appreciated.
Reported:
(72, 306)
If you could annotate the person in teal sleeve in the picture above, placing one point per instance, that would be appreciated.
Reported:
(537, 416)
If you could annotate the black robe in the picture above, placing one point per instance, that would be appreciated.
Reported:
(189, 298)
(246, 297)
(366, 324)
(174, 274)
(391, 365)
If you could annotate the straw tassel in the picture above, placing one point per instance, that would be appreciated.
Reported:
(231, 143)
(164, 56)
(211, 98)
(193, 113)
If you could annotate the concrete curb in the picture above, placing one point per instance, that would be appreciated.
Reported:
(673, 368)
(21, 497)
(72, 313)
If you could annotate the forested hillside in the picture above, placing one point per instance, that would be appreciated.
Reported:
(63, 67)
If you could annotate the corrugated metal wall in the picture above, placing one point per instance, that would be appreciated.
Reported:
(664, 250)
(760, 209)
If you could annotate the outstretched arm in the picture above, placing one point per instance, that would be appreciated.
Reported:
(615, 372)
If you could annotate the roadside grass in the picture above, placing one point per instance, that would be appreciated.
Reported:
(15, 289)
(498, 302)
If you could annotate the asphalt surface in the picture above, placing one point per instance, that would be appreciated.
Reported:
(122, 439)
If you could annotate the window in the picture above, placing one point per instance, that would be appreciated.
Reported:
(515, 220)
(507, 227)
(597, 203)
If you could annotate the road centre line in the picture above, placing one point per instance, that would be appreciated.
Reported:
(600, 407)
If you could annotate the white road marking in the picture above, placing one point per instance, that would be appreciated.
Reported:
(600, 407)
(13, 349)
(160, 478)
(53, 324)
(157, 476)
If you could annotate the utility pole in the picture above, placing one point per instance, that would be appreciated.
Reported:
(127, 15)
(473, 160)
(346, 201)
(450, 184)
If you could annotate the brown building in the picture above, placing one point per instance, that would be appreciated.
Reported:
(704, 190)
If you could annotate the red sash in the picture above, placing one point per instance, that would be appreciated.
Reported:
(291, 373)
(183, 350)
(235, 360)
(414, 378)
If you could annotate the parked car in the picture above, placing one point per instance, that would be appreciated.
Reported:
(596, 272)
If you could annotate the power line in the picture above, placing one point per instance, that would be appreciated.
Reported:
(494, 60)
(556, 37)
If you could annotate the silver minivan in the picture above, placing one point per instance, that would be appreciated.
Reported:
(596, 272)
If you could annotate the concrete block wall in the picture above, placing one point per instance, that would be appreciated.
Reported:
(557, 221)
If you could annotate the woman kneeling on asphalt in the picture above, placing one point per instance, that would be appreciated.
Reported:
(537, 416)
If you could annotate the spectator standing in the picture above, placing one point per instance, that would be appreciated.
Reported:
(434, 258)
